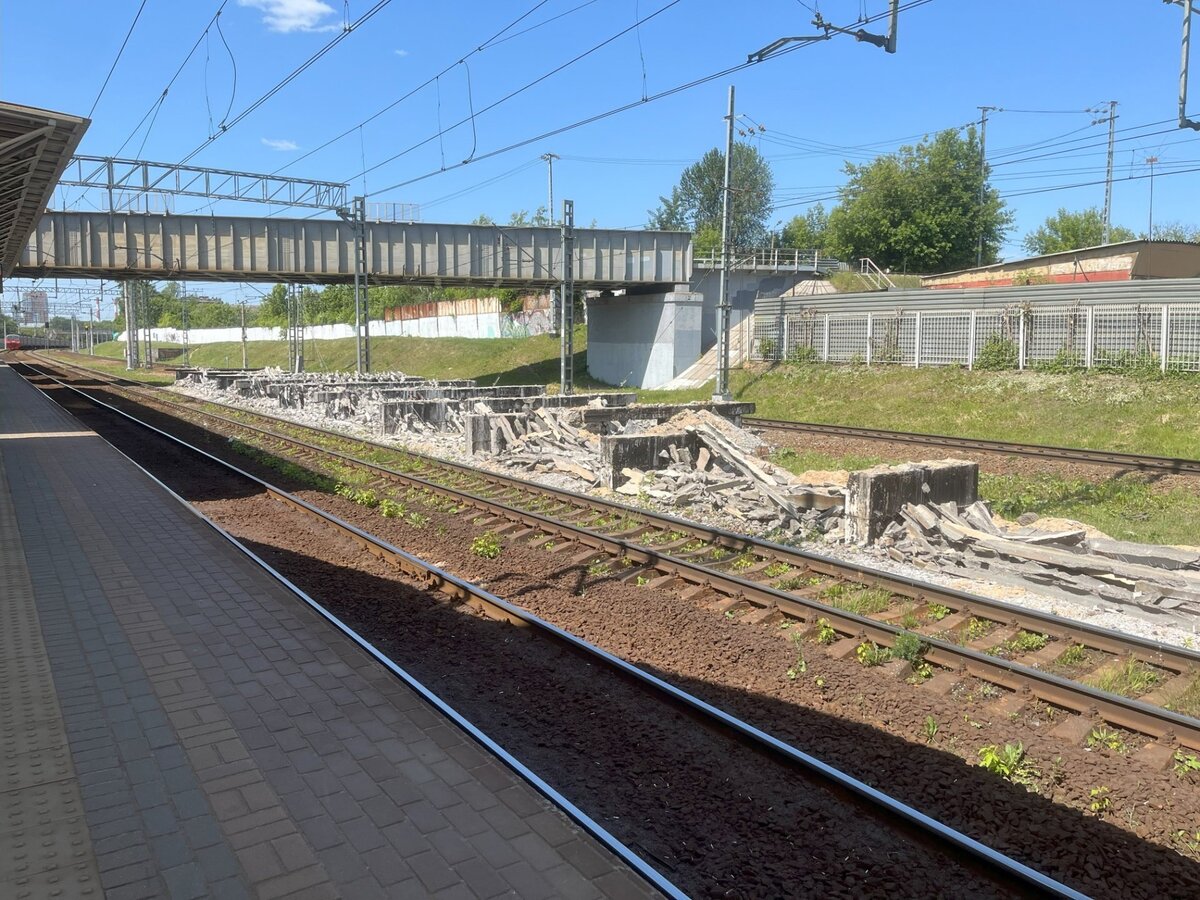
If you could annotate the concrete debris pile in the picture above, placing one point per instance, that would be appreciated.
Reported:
(1070, 563)
(540, 440)
(703, 462)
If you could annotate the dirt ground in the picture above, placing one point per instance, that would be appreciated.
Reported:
(722, 822)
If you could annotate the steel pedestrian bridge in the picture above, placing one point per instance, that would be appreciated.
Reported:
(125, 245)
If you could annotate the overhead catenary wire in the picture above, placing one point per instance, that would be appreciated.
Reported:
(117, 59)
(285, 81)
(912, 4)
(494, 39)
(517, 91)
(162, 96)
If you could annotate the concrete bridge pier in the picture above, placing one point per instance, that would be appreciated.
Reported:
(643, 340)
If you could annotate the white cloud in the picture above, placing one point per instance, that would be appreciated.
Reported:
(280, 144)
(286, 16)
(402, 53)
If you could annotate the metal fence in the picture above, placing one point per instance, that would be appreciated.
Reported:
(1164, 336)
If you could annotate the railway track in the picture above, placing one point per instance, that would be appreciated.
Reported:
(1004, 873)
(1128, 461)
(946, 635)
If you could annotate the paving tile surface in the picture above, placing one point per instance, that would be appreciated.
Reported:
(174, 723)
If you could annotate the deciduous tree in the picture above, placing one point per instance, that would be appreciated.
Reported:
(919, 209)
(1067, 230)
(807, 232)
(695, 202)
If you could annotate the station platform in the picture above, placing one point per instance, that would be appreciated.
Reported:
(175, 723)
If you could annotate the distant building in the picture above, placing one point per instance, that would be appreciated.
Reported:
(1125, 261)
(35, 308)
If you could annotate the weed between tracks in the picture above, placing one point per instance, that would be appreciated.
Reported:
(857, 599)
(1132, 678)
(1010, 763)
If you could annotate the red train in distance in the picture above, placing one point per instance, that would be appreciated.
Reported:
(12, 342)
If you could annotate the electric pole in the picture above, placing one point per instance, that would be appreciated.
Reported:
(1151, 160)
(550, 158)
(721, 391)
(566, 347)
(131, 338)
(243, 306)
(184, 317)
(1188, 9)
(1112, 122)
(984, 110)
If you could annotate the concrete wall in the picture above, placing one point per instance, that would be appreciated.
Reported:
(643, 340)
(477, 325)
(744, 289)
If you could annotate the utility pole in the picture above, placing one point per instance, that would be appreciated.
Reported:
(550, 158)
(357, 217)
(555, 313)
(243, 306)
(1188, 9)
(984, 110)
(183, 303)
(1151, 160)
(566, 348)
(1112, 122)
(721, 391)
(131, 338)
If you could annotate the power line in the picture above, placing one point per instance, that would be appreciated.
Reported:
(121, 51)
(490, 42)
(163, 96)
(288, 79)
(913, 4)
(543, 77)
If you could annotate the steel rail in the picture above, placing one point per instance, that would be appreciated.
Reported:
(1002, 868)
(1041, 451)
(1136, 715)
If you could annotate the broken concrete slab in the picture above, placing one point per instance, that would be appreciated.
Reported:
(637, 451)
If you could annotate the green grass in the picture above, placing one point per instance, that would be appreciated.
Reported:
(860, 600)
(1131, 679)
(1187, 701)
(851, 282)
(1098, 411)
(1159, 416)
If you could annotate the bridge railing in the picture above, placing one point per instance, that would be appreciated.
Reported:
(781, 259)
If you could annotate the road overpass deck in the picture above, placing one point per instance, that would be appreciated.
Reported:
(321, 251)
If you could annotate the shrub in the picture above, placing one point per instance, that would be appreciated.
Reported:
(997, 352)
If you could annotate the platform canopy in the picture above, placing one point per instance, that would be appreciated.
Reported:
(35, 147)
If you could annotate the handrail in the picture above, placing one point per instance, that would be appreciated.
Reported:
(775, 258)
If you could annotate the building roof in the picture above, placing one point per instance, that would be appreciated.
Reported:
(35, 147)
(1179, 259)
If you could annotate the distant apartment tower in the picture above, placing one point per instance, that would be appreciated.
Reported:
(35, 308)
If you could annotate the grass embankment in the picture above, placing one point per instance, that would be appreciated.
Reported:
(852, 282)
(1099, 411)
(1158, 416)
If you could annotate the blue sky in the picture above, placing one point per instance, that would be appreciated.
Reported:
(820, 105)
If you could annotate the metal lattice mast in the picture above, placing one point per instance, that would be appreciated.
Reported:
(1112, 122)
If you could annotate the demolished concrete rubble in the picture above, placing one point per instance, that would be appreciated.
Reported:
(1150, 580)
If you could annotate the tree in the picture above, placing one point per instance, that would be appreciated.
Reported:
(807, 232)
(695, 202)
(919, 208)
(1071, 231)
(1177, 231)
